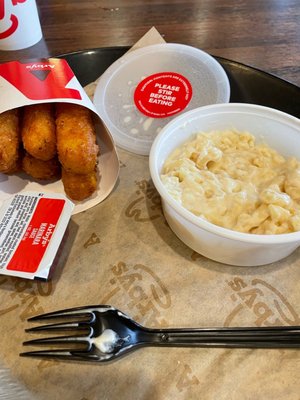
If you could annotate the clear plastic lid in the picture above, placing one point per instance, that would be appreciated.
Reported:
(143, 90)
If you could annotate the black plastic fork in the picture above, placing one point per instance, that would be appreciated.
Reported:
(102, 333)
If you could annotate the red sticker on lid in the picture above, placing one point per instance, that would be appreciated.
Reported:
(163, 95)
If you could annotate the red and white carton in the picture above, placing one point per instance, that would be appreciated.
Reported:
(32, 226)
(52, 80)
(34, 215)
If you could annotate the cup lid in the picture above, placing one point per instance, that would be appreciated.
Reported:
(142, 91)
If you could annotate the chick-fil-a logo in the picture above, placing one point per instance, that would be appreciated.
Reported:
(14, 23)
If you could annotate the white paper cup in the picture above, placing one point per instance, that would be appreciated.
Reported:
(19, 24)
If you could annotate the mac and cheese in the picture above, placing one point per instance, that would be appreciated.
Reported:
(229, 180)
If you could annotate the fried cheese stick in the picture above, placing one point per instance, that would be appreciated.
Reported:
(77, 186)
(9, 141)
(39, 169)
(38, 131)
(76, 138)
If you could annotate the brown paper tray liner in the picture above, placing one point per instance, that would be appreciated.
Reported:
(123, 253)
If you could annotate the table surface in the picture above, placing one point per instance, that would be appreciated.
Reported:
(261, 33)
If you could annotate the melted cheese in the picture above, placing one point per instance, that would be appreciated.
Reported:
(229, 180)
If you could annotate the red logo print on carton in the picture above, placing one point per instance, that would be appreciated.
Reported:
(14, 23)
(42, 79)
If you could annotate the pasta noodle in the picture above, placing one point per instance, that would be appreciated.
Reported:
(229, 180)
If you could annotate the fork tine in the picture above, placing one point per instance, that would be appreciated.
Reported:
(63, 354)
(56, 315)
(67, 326)
(57, 340)
(70, 312)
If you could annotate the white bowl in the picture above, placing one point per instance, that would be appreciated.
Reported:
(279, 130)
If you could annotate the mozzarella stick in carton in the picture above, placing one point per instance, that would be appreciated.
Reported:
(59, 128)
(40, 101)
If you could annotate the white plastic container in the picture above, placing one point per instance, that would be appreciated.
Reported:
(136, 96)
(279, 130)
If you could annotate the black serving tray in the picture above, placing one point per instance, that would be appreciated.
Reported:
(247, 84)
